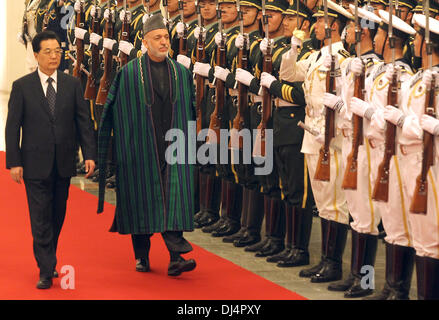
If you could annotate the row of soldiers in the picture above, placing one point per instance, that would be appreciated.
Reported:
(242, 52)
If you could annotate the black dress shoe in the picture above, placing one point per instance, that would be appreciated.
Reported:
(308, 273)
(357, 291)
(297, 257)
(44, 283)
(247, 241)
(177, 267)
(111, 182)
(330, 271)
(227, 231)
(257, 246)
(207, 221)
(221, 223)
(238, 235)
(342, 285)
(280, 256)
(274, 248)
(142, 265)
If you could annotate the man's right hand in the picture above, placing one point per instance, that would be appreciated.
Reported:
(17, 174)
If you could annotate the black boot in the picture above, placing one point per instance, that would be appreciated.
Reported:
(399, 269)
(276, 230)
(427, 272)
(332, 265)
(221, 223)
(233, 212)
(301, 233)
(212, 202)
(308, 273)
(363, 255)
(202, 199)
(281, 256)
(264, 242)
(244, 213)
(254, 220)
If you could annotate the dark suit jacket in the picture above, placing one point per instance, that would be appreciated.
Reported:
(43, 135)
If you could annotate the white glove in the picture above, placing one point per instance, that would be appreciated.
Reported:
(145, 18)
(143, 48)
(218, 38)
(327, 62)
(197, 33)
(263, 46)
(186, 61)
(361, 108)
(221, 73)
(332, 101)
(357, 66)
(297, 38)
(20, 38)
(295, 43)
(239, 41)
(390, 70)
(180, 29)
(202, 69)
(320, 138)
(125, 47)
(108, 43)
(427, 77)
(267, 79)
(394, 115)
(429, 124)
(243, 76)
(106, 14)
(77, 6)
(80, 33)
(95, 38)
(93, 11)
(122, 15)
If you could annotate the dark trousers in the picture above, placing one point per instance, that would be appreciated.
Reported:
(174, 240)
(47, 200)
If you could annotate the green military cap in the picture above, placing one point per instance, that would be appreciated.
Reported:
(226, 1)
(335, 11)
(276, 5)
(434, 8)
(251, 3)
(400, 28)
(304, 11)
(420, 21)
(384, 2)
(411, 4)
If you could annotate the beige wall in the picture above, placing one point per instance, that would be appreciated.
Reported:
(12, 53)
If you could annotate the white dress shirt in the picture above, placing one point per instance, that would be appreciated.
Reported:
(44, 77)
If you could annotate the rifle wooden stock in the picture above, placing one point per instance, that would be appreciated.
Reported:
(182, 45)
(91, 88)
(381, 189)
(79, 44)
(259, 146)
(323, 170)
(419, 199)
(199, 80)
(238, 121)
(107, 77)
(351, 173)
(125, 32)
(217, 114)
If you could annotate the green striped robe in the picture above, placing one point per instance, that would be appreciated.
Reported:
(141, 206)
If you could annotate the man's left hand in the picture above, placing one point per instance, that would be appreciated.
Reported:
(89, 167)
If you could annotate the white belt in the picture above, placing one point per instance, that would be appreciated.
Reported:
(412, 148)
(283, 103)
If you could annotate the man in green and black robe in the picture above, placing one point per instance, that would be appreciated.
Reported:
(153, 193)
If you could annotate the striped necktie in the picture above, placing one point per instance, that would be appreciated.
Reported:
(51, 95)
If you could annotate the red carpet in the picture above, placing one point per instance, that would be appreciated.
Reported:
(104, 263)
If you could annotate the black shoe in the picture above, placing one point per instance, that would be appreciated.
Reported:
(229, 229)
(111, 182)
(280, 256)
(274, 248)
(221, 223)
(383, 295)
(238, 235)
(178, 267)
(330, 271)
(297, 258)
(308, 273)
(55, 274)
(356, 290)
(342, 285)
(142, 265)
(257, 246)
(247, 241)
(207, 221)
(44, 283)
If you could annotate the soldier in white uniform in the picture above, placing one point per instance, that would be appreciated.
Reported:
(28, 32)
(329, 196)
(399, 251)
(365, 214)
(424, 227)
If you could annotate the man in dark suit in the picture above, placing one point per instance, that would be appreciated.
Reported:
(49, 109)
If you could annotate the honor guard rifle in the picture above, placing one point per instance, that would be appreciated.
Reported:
(259, 147)
(350, 176)
(183, 40)
(91, 89)
(220, 92)
(199, 80)
(107, 77)
(125, 33)
(381, 189)
(238, 121)
(419, 200)
(80, 23)
(168, 20)
(323, 164)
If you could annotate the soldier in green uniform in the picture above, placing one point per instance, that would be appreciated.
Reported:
(174, 18)
(290, 109)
